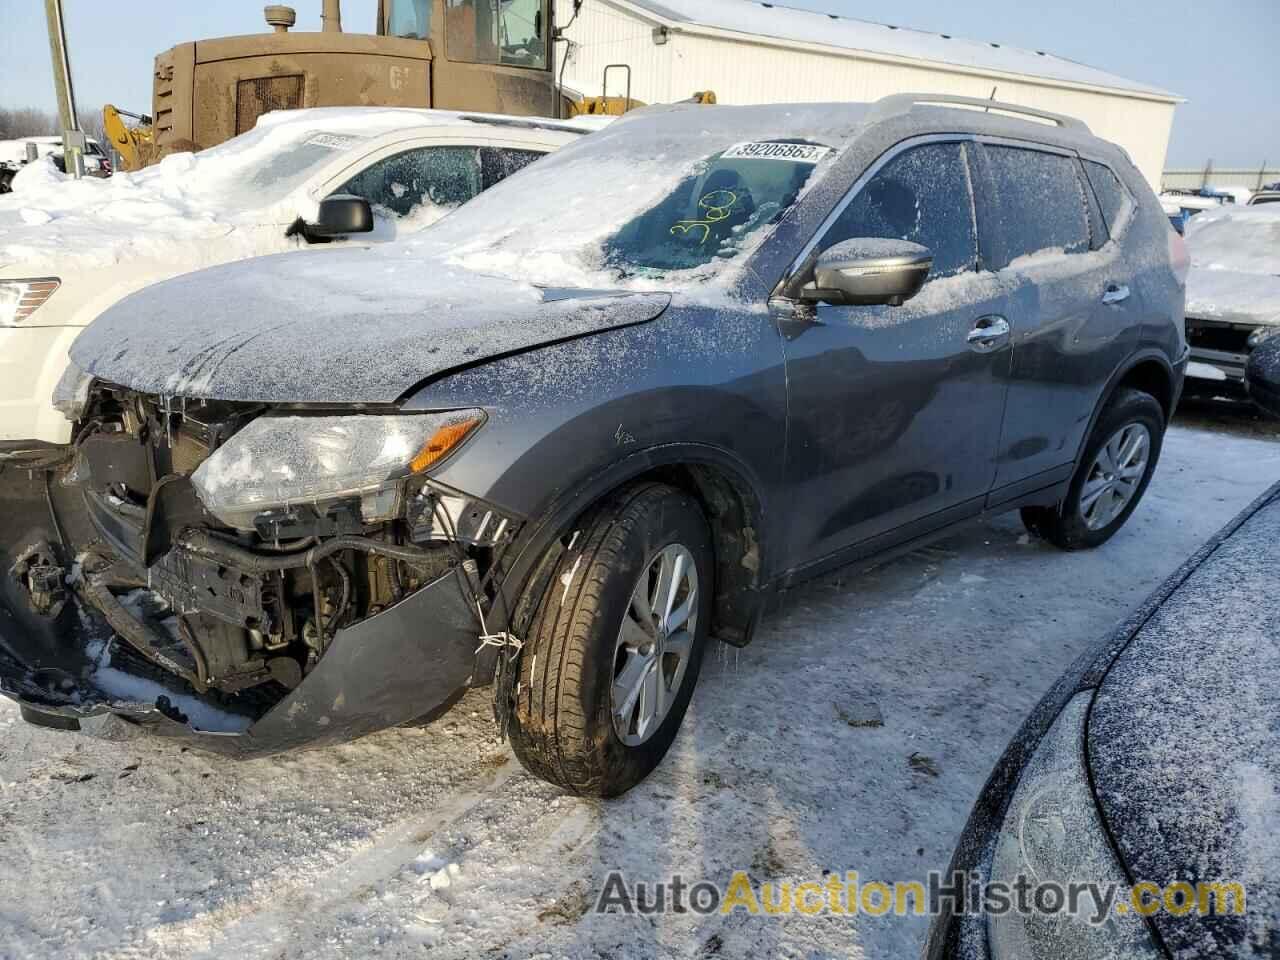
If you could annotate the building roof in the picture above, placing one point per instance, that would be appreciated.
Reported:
(790, 25)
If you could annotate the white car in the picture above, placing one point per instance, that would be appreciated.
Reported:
(70, 249)
(13, 157)
(1233, 289)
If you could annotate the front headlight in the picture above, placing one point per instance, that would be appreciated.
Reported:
(280, 461)
(19, 299)
(1052, 835)
(71, 395)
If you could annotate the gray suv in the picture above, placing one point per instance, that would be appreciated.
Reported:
(590, 421)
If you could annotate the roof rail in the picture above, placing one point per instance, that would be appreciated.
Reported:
(900, 103)
(531, 123)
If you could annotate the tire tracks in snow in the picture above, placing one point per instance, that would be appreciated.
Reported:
(252, 927)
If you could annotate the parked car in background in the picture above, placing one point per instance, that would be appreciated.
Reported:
(597, 416)
(1233, 290)
(68, 250)
(1153, 764)
(13, 157)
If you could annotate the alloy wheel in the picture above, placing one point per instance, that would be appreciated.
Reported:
(1113, 479)
(654, 644)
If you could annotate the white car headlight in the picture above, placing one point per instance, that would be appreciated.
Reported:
(71, 395)
(19, 299)
(1052, 835)
(280, 461)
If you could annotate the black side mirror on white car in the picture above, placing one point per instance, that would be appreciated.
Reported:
(339, 215)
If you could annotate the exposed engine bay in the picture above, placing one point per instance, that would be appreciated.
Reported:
(243, 603)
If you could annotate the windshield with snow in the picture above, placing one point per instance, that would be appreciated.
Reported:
(710, 214)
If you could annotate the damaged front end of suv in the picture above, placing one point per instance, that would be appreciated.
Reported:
(260, 576)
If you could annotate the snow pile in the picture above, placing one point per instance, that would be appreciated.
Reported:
(1235, 265)
(228, 202)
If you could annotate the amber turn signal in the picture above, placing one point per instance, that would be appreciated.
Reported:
(441, 442)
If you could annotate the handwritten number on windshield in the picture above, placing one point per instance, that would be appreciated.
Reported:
(718, 205)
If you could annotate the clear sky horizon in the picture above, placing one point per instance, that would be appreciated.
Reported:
(1221, 57)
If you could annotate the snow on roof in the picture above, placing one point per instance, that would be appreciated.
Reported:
(833, 30)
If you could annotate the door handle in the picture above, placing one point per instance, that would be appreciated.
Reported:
(988, 334)
(1115, 293)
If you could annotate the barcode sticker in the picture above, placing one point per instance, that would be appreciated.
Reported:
(772, 150)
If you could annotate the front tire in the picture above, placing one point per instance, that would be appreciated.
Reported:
(1113, 474)
(615, 648)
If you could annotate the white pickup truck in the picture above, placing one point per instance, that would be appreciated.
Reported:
(70, 249)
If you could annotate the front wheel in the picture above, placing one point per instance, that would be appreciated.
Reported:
(614, 651)
(1113, 474)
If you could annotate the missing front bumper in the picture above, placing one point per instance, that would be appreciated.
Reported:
(410, 661)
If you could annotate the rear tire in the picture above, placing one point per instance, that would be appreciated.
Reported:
(587, 644)
(1111, 478)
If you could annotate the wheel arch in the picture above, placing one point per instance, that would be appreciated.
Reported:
(731, 498)
(1147, 370)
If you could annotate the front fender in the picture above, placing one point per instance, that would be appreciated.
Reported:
(698, 395)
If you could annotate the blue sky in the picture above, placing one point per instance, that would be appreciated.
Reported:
(1221, 56)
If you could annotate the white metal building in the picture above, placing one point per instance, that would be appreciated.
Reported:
(752, 52)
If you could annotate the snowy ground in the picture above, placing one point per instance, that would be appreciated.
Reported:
(435, 838)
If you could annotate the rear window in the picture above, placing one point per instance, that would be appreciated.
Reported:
(1040, 203)
(1111, 194)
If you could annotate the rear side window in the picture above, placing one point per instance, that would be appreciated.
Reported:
(1111, 194)
(498, 163)
(1040, 204)
(921, 195)
(443, 176)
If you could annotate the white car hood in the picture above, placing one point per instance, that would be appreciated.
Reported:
(1233, 297)
(1235, 265)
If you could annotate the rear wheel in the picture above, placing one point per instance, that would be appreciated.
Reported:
(614, 651)
(1117, 465)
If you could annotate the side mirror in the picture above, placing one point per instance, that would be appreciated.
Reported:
(869, 271)
(1262, 375)
(339, 215)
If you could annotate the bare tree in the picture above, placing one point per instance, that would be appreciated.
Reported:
(91, 124)
(26, 122)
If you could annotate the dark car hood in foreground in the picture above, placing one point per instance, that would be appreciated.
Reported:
(332, 326)
(1184, 742)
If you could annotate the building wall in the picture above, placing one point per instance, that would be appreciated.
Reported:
(1253, 178)
(747, 72)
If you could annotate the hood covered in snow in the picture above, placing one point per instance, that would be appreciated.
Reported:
(1184, 742)
(335, 327)
(1233, 297)
(1235, 265)
(193, 210)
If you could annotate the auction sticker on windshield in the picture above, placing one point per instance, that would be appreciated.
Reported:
(334, 141)
(773, 150)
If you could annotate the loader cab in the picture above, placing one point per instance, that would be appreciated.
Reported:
(513, 33)
(484, 56)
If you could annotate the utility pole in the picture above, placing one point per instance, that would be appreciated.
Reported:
(73, 141)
